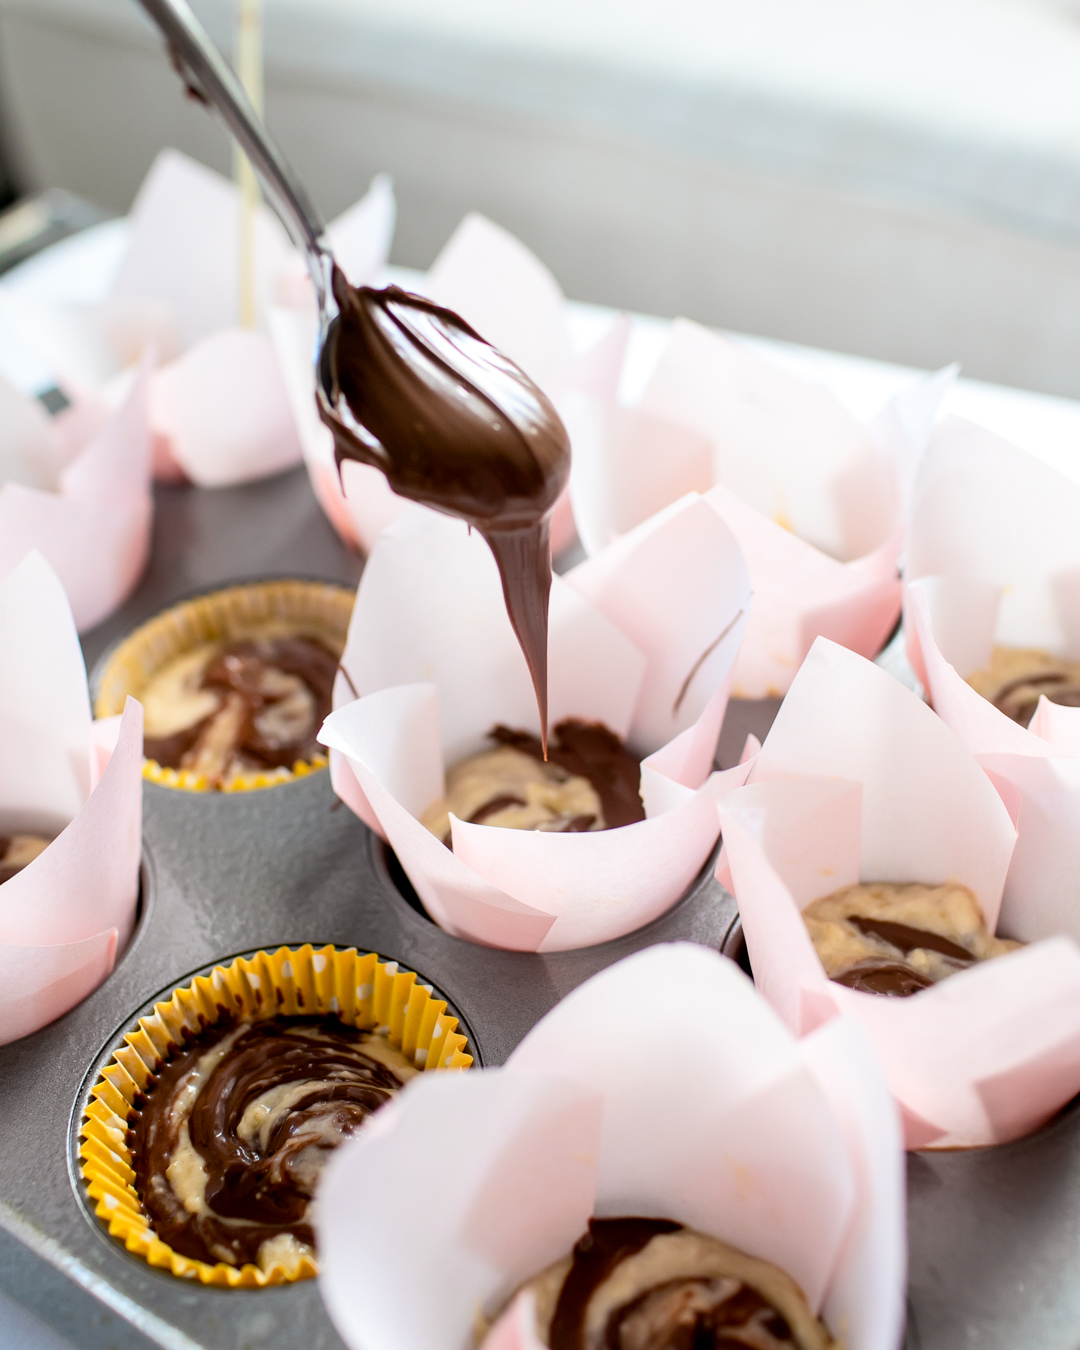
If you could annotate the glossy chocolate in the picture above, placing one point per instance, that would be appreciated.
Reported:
(589, 750)
(908, 939)
(455, 424)
(1019, 698)
(891, 978)
(683, 1314)
(236, 673)
(252, 1192)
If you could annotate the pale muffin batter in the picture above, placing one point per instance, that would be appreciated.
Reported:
(505, 787)
(1016, 678)
(887, 938)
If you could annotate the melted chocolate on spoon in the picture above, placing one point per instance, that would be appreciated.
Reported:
(456, 425)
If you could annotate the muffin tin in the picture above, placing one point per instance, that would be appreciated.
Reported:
(995, 1233)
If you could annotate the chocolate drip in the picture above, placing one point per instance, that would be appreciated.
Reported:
(254, 1192)
(891, 978)
(589, 750)
(455, 424)
(237, 672)
(909, 939)
(1015, 700)
(606, 1245)
(695, 1313)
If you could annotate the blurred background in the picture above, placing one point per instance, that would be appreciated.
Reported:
(894, 178)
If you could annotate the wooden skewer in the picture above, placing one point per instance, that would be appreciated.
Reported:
(249, 66)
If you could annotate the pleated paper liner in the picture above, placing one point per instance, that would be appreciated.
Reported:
(364, 991)
(315, 609)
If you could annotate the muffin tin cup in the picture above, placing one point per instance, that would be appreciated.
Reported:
(359, 988)
(318, 609)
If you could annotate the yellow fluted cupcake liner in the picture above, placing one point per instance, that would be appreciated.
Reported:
(310, 608)
(364, 991)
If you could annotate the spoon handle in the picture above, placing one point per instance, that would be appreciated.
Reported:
(209, 77)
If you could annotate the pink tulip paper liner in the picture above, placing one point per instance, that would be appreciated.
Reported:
(662, 1086)
(860, 780)
(183, 254)
(94, 531)
(984, 511)
(64, 917)
(641, 639)
(1036, 770)
(221, 411)
(993, 558)
(812, 496)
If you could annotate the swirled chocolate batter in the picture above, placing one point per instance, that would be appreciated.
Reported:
(883, 938)
(17, 850)
(455, 424)
(1017, 678)
(589, 781)
(650, 1284)
(233, 1132)
(225, 709)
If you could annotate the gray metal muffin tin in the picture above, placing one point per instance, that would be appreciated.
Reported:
(995, 1234)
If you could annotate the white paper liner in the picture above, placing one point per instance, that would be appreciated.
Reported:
(436, 665)
(995, 558)
(220, 406)
(859, 780)
(507, 294)
(813, 496)
(663, 1086)
(65, 916)
(95, 528)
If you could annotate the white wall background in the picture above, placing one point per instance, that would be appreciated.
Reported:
(896, 178)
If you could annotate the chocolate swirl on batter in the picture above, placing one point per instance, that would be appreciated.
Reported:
(260, 1172)
(694, 1313)
(589, 750)
(241, 725)
(455, 424)
(894, 979)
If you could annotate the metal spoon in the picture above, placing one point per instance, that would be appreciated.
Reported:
(210, 78)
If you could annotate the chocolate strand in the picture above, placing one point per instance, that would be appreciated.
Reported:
(523, 556)
(909, 939)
